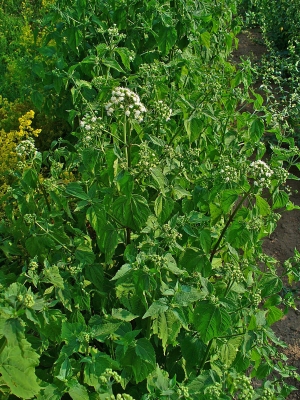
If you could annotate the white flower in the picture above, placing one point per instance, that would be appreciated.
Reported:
(88, 127)
(127, 113)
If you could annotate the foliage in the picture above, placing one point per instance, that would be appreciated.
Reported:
(131, 251)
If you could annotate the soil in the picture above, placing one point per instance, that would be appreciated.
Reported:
(286, 237)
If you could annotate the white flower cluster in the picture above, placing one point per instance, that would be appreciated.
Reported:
(261, 173)
(26, 148)
(127, 101)
(92, 126)
(162, 110)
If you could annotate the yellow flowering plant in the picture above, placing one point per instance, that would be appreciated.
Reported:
(8, 143)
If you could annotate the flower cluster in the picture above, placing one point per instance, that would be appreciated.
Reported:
(233, 272)
(162, 110)
(213, 392)
(127, 101)
(230, 172)
(26, 148)
(261, 173)
(92, 127)
(148, 159)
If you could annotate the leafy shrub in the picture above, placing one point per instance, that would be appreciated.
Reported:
(131, 251)
(142, 277)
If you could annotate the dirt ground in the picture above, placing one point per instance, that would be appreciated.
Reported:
(286, 237)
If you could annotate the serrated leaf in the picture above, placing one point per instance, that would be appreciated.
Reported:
(256, 129)
(263, 206)
(125, 55)
(18, 373)
(74, 189)
(132, 211)
(111, 63)
(166, 326)
(280, 199)
(78, 391)
(145, 351)
(228, 198)
(122, 271)
(52, 275)
(157, 307)
(166, 38)
(270, 284)
(274, 314)
(163, 207)
(210, 320)
(122, 314)
(96, 366)
(159, 178)
(193, 127)
(229, 350)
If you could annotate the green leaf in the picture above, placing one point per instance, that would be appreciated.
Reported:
(157, 307)
(37, 99)
(205, 39)
(18, 361)
(270, 284)
(74, 189)
(159, 178)
(263, 206)
(229, 350)
(193, 349)
(256, 129)
(108, 241)
(125, 183)
(111, 63)
(145, 351)
(228, 198)
(166, 38)
(274, 314)
(84, 252)
(52, 275)
(95, 274)
(18, 373)
(47, 51)
(125, 55)
(95, 366)
(122, 271)
(210, 320)
(163, 207)
(166, 326)
(205, 240)
(280, 199)
(51, 392)
(139, 358)
(123, 315)
(179, 192)
(78, 391)
(193, 127)
(132, 212)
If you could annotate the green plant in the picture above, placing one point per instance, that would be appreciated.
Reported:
(142, 277)
(131, 251)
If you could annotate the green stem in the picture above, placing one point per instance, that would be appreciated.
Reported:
(230, 219)
(53, 237)
(45, 196)
(206, 355)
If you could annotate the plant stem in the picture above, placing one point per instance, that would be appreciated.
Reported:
(206, 355)
(214, 250)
